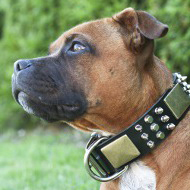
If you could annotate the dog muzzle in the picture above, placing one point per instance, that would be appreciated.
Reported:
(107, 158)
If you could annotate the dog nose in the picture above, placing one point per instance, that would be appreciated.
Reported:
(21, 65)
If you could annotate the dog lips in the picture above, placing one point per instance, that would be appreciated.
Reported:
(23, 102)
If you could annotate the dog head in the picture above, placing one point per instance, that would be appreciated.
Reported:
(96, 76)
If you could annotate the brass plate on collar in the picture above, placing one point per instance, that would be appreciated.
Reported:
(177, 101)
(120, 151)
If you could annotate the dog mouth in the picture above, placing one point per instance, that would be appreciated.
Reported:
(49, 112)
(43, 91)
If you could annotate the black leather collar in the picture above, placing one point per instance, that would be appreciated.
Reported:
(107, 158)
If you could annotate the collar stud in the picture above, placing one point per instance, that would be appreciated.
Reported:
(138, 128)
(154, 127)
(144, 136)
(160, 135)
(170, 126)
(159, 110)
(183, 78)
(150, 144)
(165, 118)
(148, 119)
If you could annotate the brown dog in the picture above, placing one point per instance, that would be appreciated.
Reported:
(102, 76)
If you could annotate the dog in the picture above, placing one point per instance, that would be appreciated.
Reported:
(102, 76)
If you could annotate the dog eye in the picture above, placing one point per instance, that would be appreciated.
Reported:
(76, 47)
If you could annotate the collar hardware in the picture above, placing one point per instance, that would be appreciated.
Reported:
(176, 95)
(107, 158)
(95, 170)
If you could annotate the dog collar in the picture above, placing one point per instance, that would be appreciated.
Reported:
(107, 158)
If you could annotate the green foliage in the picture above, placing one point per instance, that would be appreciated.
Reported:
(27, 27)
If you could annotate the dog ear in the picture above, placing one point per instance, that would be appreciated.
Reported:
(140, 23)
(150, 27)
(127, 19)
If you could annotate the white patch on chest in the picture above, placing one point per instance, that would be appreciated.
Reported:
(138, 177)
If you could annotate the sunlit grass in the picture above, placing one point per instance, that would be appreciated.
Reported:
(43, 162)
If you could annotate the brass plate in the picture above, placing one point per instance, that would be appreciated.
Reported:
(120, 151)
(177, 101)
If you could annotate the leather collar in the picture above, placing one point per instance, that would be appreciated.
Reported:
(107, 158)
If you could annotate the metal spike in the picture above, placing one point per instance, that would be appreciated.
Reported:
(165, 118)
(184, 84)
(150, 144)
(160, 135)
(170, 126)
(183, 78)
(138, 128)
(154, 127)
(159, 110)
(178, 75)
(144, 136)
(148, 119)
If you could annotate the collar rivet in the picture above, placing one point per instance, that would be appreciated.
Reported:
(148, 119)
(160, 135)
(150, 144)
(165, 118)
(183, 78)
(144, 136)
(138, 128)
(178, 75)
(159, 110)
(184, 84)
(170, 126)
(154, 127)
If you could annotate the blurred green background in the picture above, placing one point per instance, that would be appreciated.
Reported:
(43, 158)
(27, 27)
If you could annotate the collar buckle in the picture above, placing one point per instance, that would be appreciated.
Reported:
(93, 167)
